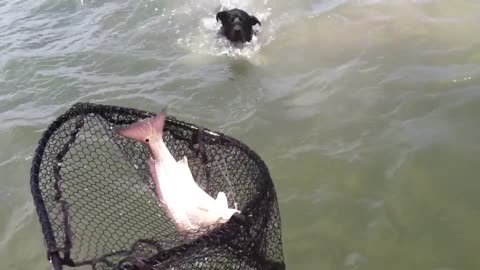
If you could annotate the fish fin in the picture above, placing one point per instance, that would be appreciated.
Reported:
(185, 169)
(148, 131)
(197, 195)
(221, 200)
(144, 129)
(183, 161)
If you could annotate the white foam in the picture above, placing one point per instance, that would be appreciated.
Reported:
(204, 39)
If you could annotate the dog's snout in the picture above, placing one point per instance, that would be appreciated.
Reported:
(237, 32)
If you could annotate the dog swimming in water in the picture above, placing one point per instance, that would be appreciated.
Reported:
(237, 25)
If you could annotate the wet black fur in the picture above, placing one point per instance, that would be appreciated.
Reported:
(237, 25)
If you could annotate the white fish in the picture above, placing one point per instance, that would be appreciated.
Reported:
(187, 204)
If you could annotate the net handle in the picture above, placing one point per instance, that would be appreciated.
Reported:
(56, 261)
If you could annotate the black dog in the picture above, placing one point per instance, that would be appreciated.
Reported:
(237, 25)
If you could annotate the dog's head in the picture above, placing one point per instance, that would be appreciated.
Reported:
(237, 25)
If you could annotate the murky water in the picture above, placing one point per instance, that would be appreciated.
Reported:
(366, 112)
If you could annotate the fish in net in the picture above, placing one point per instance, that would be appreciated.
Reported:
(98, 208)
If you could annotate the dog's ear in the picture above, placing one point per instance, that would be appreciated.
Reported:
(254, 20)
(222, 16)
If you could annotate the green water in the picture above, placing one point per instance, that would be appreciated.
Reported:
(366, 112)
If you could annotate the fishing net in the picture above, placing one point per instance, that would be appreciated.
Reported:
(97, 205)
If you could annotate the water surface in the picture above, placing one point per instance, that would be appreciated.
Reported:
(366, 112)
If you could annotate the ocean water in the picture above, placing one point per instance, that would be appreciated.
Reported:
(365, 111)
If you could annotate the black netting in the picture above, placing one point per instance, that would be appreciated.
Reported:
(97, 206)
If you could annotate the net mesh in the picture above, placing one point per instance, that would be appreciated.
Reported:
(97, 206)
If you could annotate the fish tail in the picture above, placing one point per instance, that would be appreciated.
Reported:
(148, 132)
